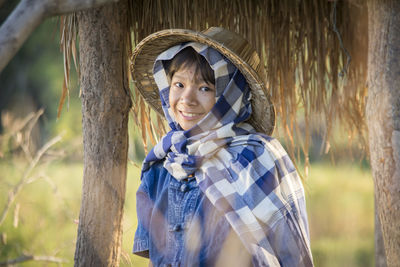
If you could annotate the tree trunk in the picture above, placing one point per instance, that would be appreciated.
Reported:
(105, 108)
(380, 255)
(383, 118)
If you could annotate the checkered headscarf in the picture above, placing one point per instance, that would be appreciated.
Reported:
(246, 175)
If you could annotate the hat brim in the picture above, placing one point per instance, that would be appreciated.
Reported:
(231, 45)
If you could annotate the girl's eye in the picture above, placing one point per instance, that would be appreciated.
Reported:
(205, 89)
(178, 84)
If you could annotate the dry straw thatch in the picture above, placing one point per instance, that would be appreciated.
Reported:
(304, 46)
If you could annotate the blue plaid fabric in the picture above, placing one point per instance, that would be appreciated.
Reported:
(248, 176)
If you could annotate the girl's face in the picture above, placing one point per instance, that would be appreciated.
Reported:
(190, 97)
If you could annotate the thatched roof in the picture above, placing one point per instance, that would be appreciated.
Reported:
(314, 55)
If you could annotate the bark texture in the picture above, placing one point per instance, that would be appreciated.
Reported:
(380, 255)
(105, 108)
(383, 118)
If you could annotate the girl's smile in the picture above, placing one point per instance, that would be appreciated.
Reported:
(190, 97)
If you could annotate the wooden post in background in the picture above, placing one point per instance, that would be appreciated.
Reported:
(105, 108)
(383, 119)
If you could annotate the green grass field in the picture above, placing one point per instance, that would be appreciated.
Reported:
(42, 221)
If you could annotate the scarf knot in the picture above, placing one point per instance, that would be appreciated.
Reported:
(181, 165)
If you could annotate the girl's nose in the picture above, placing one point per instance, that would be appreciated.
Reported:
(189, 96)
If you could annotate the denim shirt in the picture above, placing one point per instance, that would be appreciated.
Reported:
(179, 226)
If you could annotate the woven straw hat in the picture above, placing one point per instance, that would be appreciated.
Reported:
(228, 43)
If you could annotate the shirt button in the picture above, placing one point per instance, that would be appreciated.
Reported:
(184, 188)
(177, 228)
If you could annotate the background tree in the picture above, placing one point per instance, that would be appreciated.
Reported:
(105, 108)
(383, 116)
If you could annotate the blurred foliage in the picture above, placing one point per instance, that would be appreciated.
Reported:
(46, 214)
(339, 201)
(33, 79)
(24, 168)
(340, 206)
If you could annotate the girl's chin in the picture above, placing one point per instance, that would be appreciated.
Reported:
(186, 126)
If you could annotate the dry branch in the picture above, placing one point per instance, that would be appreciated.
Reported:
(12, 194)
(28, 15)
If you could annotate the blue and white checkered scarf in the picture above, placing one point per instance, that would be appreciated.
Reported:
(246, 175)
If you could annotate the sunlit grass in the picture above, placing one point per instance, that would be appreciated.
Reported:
(341, 213)
(48, 208)
(130, 221)
(339, 201)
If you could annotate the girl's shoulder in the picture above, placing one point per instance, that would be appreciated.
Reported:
(155, 178)
(154, 170)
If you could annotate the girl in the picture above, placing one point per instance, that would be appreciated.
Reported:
(216, 190)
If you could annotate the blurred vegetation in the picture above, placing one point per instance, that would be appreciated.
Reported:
(33, 80)
(340, 207)
(42, 218)
(339, 201)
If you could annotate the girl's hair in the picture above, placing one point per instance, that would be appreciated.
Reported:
(187, 58)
